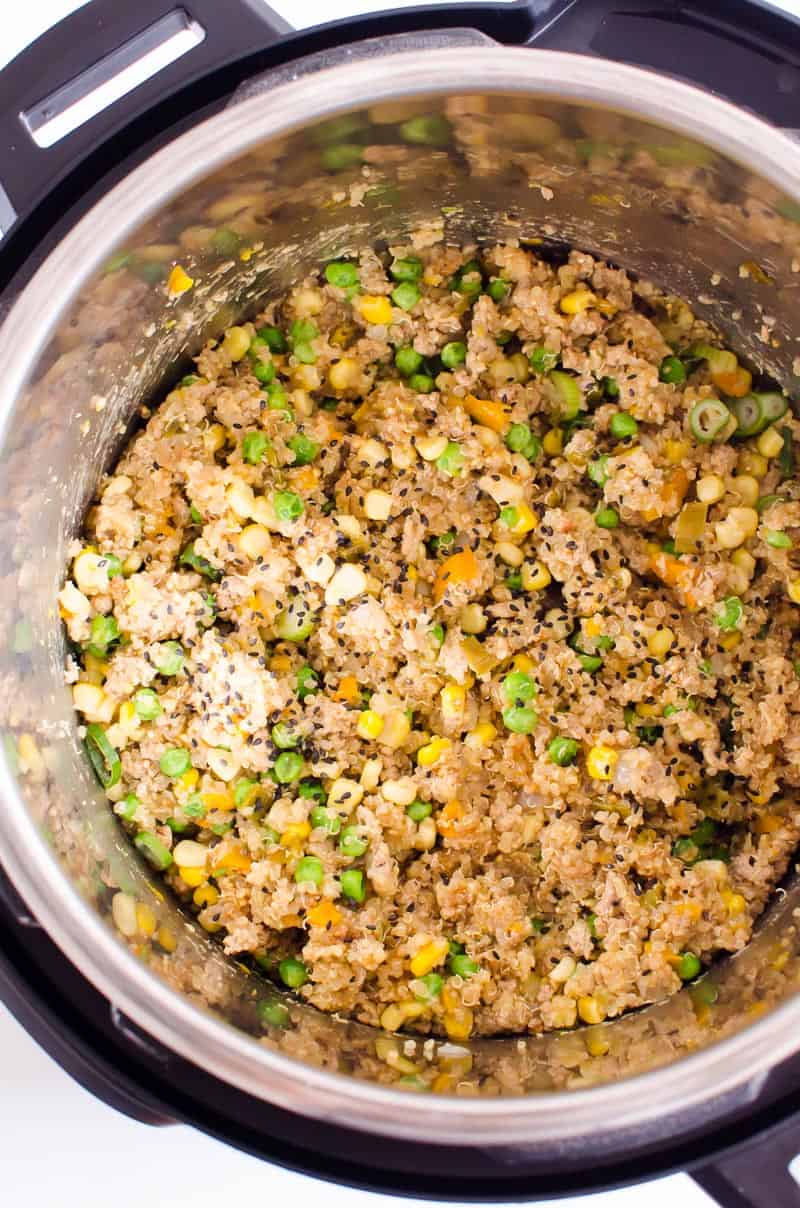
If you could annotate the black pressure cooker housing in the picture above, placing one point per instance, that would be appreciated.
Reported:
(744, 51)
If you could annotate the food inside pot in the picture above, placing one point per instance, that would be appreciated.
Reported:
(437, 640)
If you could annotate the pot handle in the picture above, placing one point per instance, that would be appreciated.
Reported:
(119, 60)
(745, 52)
(755, 1175)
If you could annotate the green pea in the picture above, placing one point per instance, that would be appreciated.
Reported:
(194, 806)
(590, 662)
(462, 966)
(273, 338)
(352, 884)
(686, 850)
(406, 268)
(454, 354)
(302, 331)
(433, 984)
(423, 383)
(195, 515)
(562, 751)
(455, 948)
(174, 762)
(543, 360)
(407, 360)
(520, 439)
(440, 543)
(623, 425)
(292, 973)
(264, 372)
(146, 704)
(341, 274)
(518, 688)
(304, 449)
(197, 562)
(127, 807)
(307, 682)
(778, 539)
(254, 446)
(598, 470)
(538, 926)
(520, 719)
(514, 580)
(305, 353)
(610, 387)
(288, 767)
(243, 791)
(284, 736)
(509, 516)
(437, 633)
(497, 289)
(276, 398)
(169, 659)
(112, 564)
(406, 295)
(705, 993)
(673, 370)
(104, 632)
(451, 460)
(153, 850)
(274, 1014)
(341, 156)
(607, 518)
(351, 844)
(323, 819)
(689, 966)
(312, 790)
(309, 869)
(729, 613)
(288, 506)
(419, 810)
(432, 130)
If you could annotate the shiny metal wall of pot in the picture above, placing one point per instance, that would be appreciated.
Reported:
(670, 183)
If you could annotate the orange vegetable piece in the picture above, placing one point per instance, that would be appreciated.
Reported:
(217, 801)
(458, 568)
(488, 412)
(347, 690)
(676, 573)
(736, 384)
(232, 860)
(324, 914)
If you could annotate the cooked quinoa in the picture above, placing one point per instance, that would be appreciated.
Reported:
(437, 639)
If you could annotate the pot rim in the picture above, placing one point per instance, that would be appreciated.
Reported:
(82, 936)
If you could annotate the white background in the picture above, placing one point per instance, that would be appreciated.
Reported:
(58, 1145)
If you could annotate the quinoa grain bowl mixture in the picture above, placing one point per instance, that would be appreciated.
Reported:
(437, 640)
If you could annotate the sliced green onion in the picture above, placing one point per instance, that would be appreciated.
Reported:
(146, 704)
(102, 756)
(672, 370)
(569, 393)
(153, 850)
(543, 360)
(191, 558)
(352, 884)
(708, 419)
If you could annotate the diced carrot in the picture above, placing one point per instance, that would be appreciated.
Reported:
(324, 914)
(488, 412)
(234, 859)
(737, 384)
(347, 690)
(217, 801)
(305, 478)
(458, 568)
(676, 573)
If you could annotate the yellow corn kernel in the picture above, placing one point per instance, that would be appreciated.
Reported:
(600, 762)
(432, 752)
(205, 895)
(324, 914)
(425, 839)
(344, 795)
(793, 590)
(428, 957)
(752, 463)
(369, 724)
(431, 447)
(509, 553)
(90, 571)
(96, 669)
(396, 729)
(660, 643)
(535, 576)
(647, 710)
(255, 541)
(525, 522)
(166, 939)
(458, 1023)
(577, 301)
(295, 833)
(394, 1016)
(482, 736)
(307, 301)
(179, 281)
(236, 343)
(739, 525)
(522, 662)
(191, 876)
(453, 698)
(590, 1009)
(735, 903)
(145, 919)
(553, 442)
(371, 773)
(374, 308)
(746, 487)
(729, 641)
(92, 701)
(676, 451)
(597, 1044)
(377, 505)
(769, 443)
(189, 779)
(344, 374)
(710, 488)
(218, 800)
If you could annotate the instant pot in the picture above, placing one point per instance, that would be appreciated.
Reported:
(657, 135)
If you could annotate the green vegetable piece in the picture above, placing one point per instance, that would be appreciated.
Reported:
(497, 289)
(104, 632)
(419, 810)
(709, 419)
(454, 354)
(351, 844)
(518, 688)
(520, 439)
(432, 130)
(607, 518)
(276, 398)
(571, 399)
(127, 807)
(623, 426)
(538, 926)
(288, 767)
(146, 704)
(312, 790)
(189, 380)
(174, 762)
(310, 870)
(562, 751)
(423, 383)
(704, 993)
(514, 580)
(264, 371)
(689, 966)
(686, 850)
(440, 543)
(341, 156)
(598, 470)
(284, 736)
(292, 973)
(153, 850)
(307, 681)
(323, 819)
(407, 268)
(778, 539)
(113, 565)
(304, 448)
(341, 274)
(244, 791)
(296, 622)
(451, 461)
(729, 613)
(462, 965)
(591, 923)
(406, 295)
(254, 446)
(225, 241)
(437, 633)
(610, 387)
(191, 558)
(672, 370)
(432, 984)
(509, 516)
(520, 719)
(273, 1014)
(288, 506)
(589, 662)
(274, 338)
(407, 361)
(543, 360)
(103, 757)
(352, 884)
(169, 659)
(195, 516)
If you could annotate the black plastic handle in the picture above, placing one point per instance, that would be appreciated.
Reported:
(91, 43)
(743, 51)
(757, 1175)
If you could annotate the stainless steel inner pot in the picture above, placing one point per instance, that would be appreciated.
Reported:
(669, 182)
